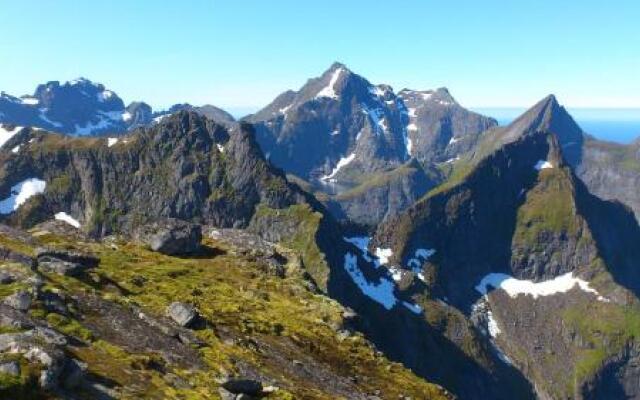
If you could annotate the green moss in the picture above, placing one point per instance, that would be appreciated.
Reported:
(604, 329)
(303, 240)
(69, 326)
(60, 184)
(377, 180)
(549, 207)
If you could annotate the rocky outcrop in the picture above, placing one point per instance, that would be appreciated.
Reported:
(68, 263)
(171, 236)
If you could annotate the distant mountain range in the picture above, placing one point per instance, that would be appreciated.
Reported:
(82, 107)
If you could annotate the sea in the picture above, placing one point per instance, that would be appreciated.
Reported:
(621, 125)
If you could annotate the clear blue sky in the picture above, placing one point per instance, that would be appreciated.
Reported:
(239, 54)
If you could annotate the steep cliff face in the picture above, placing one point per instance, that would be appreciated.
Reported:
(186, 167)
(522, 248)
(440, 129)
(612, 171)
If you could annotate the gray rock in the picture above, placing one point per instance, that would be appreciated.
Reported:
(11, 368)
(20, 300)
(225, 394)
(88, 260)
(183, 314)
(171, 236)
(74, 374)
(6, 278)
(243, 386)
(53, 302)
(62, 267)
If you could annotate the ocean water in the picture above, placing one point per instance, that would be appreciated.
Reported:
(615, 125)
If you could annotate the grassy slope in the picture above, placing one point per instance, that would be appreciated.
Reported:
(232, 293)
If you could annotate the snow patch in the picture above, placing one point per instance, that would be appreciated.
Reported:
(334, 132)
(105, 95)
(409, 145)
(412, 112)
(543, 164)
(381, 292)
(16, 149)
(419, 257)
(426, 95)
(6, 134)
(376, 117)
(126, 116)
(492, 325)
(452, 160)
(344, 161)
(30, 101)
(515, 287)
(63, 216)
(384, 255)
(111, 141)
(20, 193)
(412, 127)
(453, 140)
(329, 91)
(220, 147)
(284, 110)
(157, 120)
(414, 308)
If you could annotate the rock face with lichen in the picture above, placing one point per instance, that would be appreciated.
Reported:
(187, 167)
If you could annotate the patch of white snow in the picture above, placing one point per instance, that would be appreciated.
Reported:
(344, 161)
(63, 216)
(542, 164)
(6, 134)
(384, 255)
(381, 292)
(111, 141)
(329, 90)
(515, 287)
(20, 193)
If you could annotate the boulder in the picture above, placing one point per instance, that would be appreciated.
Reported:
(182, 313)
(171, 236)
(87, 260)
(65, 262)
(6, 278)
(73, 374)
(11, 368)
(242, 386)
(62, 267)
(20, 300)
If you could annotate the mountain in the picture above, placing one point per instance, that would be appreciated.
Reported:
(439, 128)
(539, 265)
(79, 107)
(82, 108)
(609, 170)
(186, 167)
(192, 168)
(336, 121)
(212, 112)
(339, 126)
